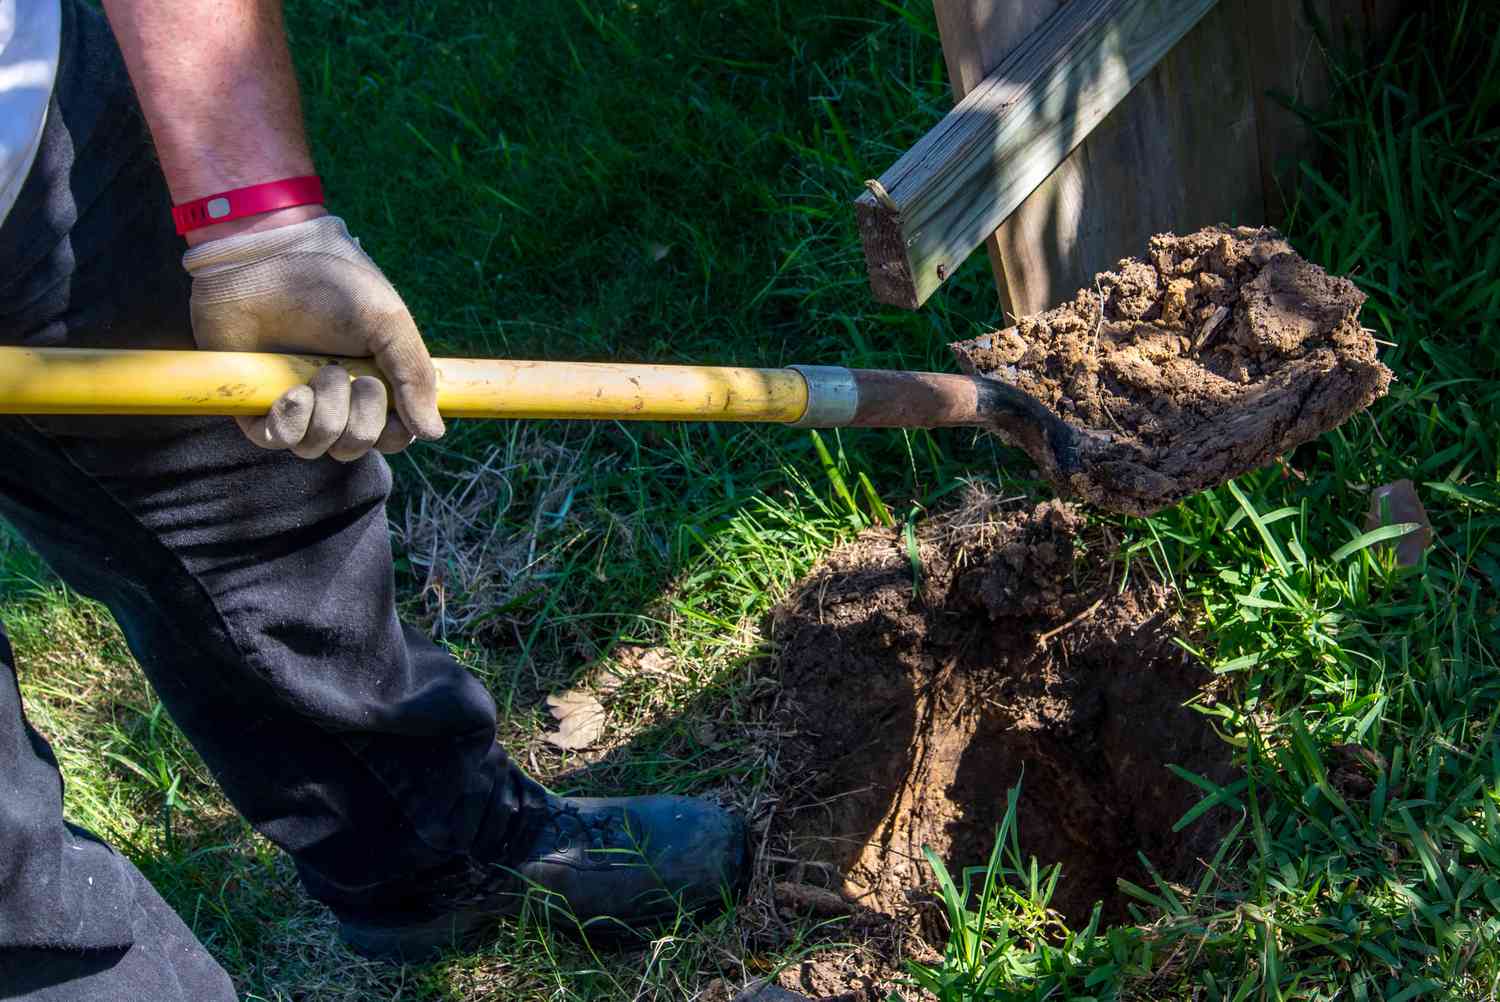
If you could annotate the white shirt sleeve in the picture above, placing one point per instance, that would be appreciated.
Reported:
(30, 36)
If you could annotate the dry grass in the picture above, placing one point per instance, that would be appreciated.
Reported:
(485, 534)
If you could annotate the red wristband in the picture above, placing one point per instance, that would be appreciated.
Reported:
(251, 201)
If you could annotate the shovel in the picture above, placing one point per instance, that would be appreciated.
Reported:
(112, 381)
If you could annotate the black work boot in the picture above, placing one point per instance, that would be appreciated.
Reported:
(600, 866)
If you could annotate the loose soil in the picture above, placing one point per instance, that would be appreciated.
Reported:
(1219, 352)
(909, 710)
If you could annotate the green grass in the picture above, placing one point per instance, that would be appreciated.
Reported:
(670, 182)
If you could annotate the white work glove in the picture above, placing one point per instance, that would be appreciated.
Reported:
(308, 287)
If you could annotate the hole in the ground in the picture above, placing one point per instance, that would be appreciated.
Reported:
(910, 717)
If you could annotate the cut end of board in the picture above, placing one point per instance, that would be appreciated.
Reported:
(886, 259)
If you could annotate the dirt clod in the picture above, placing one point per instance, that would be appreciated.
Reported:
(911, 709)
(811, 899)
(1220, 351)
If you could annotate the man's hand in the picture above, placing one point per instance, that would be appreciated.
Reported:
(308, 287)
(215, 83)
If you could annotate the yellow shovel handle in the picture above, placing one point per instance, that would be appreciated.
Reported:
(108, 381)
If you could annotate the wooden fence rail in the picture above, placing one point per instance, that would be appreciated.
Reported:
(1084, 126)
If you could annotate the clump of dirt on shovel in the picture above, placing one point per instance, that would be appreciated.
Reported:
(1218, 352)
(915, 693)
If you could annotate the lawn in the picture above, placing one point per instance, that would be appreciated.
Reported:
(671, 182)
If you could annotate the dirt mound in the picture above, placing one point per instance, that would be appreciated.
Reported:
(913, 699)
(1218, 353)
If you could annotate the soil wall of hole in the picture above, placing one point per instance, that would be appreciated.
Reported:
(912, 699)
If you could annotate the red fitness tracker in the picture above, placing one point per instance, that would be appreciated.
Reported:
(251, 201)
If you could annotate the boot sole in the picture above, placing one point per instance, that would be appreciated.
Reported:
(426, 940)
(417, 942)
(420, 942)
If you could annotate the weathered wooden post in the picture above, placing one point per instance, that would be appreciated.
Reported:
(1082, 127)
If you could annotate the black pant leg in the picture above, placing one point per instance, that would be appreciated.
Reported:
(78, 922)
(56, 888)
(254, 588)
(88, 254)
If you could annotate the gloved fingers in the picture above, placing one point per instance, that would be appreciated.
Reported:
(368, 405)
(401, 355)
(330, 416)
(318, 291)
(395, 437)
(285, 424)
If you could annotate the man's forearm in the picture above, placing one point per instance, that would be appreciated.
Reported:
(216, 84)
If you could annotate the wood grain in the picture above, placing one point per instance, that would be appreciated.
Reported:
(1292, 64)
(1181, 152)
(948, 193)
(977, 35)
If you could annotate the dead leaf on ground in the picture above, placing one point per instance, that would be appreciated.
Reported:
(1355, 769)
(580, 720)
(718, 990)
(657, 662)
(1359, 755)
(651, 660)
(1392, 504)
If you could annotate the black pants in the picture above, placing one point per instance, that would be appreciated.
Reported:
(254, 588)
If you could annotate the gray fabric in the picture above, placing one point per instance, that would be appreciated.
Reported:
(162, 961)
(29, 38)
(61, 888)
